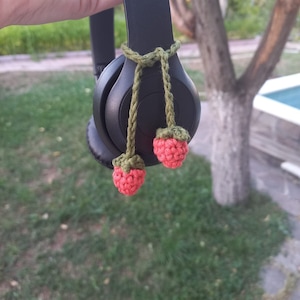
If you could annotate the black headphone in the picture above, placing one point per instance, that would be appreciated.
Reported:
(148, 26)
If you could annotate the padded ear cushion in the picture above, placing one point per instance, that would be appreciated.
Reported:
(98, 149)
(98, 140)
(103, 86)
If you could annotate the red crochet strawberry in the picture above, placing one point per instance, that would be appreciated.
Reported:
(129, 174)
(128, 183)
(170, 146)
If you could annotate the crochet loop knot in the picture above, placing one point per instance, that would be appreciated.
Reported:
(149, 59)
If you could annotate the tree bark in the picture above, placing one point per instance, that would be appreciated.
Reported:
(231, 114)
(212, 41)
(230, 108)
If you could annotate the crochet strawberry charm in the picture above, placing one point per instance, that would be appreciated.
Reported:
(129, 174)
(171, 146)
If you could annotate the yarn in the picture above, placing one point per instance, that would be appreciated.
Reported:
(173, 131)
(170, 152)
(129, 173)
(128, 183)
(170, 144)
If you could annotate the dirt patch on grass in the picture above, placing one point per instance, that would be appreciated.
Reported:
(21, 82)
(50, 172)
(54, 244)
(63, 236)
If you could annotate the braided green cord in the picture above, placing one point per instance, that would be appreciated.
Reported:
(169, 99)
(142, 61)
(130, 159)
(132, 119)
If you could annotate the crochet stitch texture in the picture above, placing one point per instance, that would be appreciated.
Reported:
(170, 144)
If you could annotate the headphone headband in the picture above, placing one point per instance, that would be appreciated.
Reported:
(148, 25)
(102, 40)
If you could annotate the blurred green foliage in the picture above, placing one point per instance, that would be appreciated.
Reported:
(244, 19)
(69, 35)
(54, 37)
(247, 18)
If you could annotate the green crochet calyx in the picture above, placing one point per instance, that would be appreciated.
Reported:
(127, 163)
(176, 132)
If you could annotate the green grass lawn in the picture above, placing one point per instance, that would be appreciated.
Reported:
(66, 233)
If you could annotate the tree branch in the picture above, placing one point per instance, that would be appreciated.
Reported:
(272, 44)
(183, 17)
(212, 41)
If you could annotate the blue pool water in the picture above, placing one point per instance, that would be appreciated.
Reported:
(289, 96)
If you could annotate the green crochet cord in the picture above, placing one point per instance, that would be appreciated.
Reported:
(143, 61)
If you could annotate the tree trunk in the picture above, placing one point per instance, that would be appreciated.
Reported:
(183, 17)
(231, 114)
(231, 98)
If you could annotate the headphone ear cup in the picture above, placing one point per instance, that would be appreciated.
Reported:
(97, 147)
(151, 106)
(103, 87)
(98, 139)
